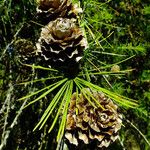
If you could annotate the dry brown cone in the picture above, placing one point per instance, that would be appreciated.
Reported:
(86, 124)
(61, 41)
(52, 9)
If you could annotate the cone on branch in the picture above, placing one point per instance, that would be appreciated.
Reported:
(49, 10)
(24, 50)
(61, 41)
(86, 124)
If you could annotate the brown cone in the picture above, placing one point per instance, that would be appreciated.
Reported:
(86, 124)
(52, 9)
(61, 40)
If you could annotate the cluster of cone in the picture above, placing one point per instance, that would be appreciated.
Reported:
(86, 124)
(61, 40)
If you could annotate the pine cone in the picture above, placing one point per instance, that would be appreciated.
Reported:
(24, 50)
(86, 124)
(61, 41)
(49, 10)
(23, 53)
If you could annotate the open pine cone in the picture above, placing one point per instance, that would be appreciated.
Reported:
(61, 41)
(52, 9)
(86, 124)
